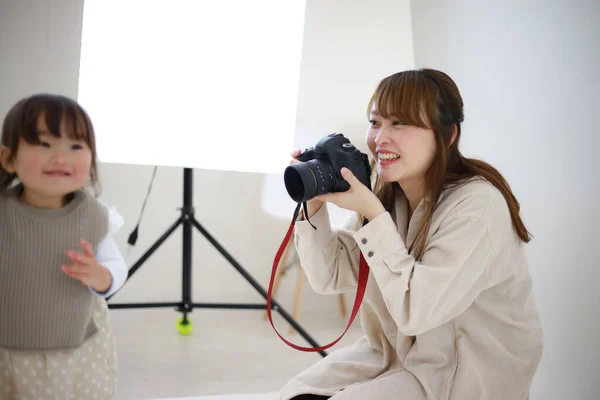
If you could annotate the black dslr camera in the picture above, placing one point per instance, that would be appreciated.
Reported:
(319, 172)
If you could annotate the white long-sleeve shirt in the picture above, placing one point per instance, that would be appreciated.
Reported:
(108, 254)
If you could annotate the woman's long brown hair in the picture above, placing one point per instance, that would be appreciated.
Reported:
(430, 99)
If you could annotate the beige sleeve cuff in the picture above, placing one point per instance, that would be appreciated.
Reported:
(307, 236)
(329, 258)
(383, 248)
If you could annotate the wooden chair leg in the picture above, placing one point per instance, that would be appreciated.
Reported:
(279, 272)
(298, 296)
(299, 287)
(342, 300)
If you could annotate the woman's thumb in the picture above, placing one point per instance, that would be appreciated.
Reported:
(348, 175)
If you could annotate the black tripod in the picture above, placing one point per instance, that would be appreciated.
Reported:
(186, 305)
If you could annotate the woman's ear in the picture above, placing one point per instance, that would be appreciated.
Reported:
(454, 133)
(5, 160)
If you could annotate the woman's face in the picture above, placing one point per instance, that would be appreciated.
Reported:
(403, 153)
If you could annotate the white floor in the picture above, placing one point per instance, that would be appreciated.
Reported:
(229, 353)
(262, 396)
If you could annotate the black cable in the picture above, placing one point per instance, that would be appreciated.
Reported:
(134, 235)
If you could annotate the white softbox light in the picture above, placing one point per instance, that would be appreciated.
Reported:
(193, 83)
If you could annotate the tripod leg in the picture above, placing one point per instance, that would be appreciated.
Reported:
(256, 286)
(184, 325)
(152, 249)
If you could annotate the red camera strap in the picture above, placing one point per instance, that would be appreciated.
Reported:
(363, 276)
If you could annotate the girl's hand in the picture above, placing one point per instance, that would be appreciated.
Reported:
(87, 270)
(358, 198)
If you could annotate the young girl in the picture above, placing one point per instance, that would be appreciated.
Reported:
(58, 260)
(449, 311)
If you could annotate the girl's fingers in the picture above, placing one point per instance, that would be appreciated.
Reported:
(87, 248)
(79, 257)
(75, 269)
(80, 277)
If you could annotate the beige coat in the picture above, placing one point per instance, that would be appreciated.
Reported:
(459, 324)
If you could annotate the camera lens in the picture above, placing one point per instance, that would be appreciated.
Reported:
(303, 181)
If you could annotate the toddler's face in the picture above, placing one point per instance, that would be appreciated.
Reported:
(55, 167)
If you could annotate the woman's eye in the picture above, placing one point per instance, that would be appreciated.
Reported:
(397, 123)
(373, 122)
(77, 147)
(44, 144)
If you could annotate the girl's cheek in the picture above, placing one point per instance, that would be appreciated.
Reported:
(84, 164)
(33, 162)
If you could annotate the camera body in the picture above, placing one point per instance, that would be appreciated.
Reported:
(319, 170)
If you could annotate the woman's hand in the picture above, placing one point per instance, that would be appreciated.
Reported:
(358, 198)
(87, 270)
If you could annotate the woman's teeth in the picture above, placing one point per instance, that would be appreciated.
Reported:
(388, 156)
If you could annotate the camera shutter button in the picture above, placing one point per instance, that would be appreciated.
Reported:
(364, 240)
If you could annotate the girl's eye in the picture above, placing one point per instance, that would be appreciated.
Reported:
(397, 123)
(44, 144)
(373, 122)
(77, 147)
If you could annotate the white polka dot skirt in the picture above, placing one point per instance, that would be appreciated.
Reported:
(87, 372)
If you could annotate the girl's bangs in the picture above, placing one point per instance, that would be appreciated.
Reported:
(55, 112)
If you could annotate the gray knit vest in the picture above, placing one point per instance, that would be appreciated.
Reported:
(40, 306)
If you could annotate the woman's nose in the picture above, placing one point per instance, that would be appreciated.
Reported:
(382, 136)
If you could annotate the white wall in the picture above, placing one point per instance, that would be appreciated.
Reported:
(39, 48)
(348, 48)
(528, 72)
(344, 56)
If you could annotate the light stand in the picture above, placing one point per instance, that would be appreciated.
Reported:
(186, 305)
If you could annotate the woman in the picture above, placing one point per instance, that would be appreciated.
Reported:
(449, 311)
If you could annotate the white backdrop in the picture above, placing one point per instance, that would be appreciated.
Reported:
(192, 83)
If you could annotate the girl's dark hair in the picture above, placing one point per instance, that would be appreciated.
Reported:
(430, 99)
(21, 124)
